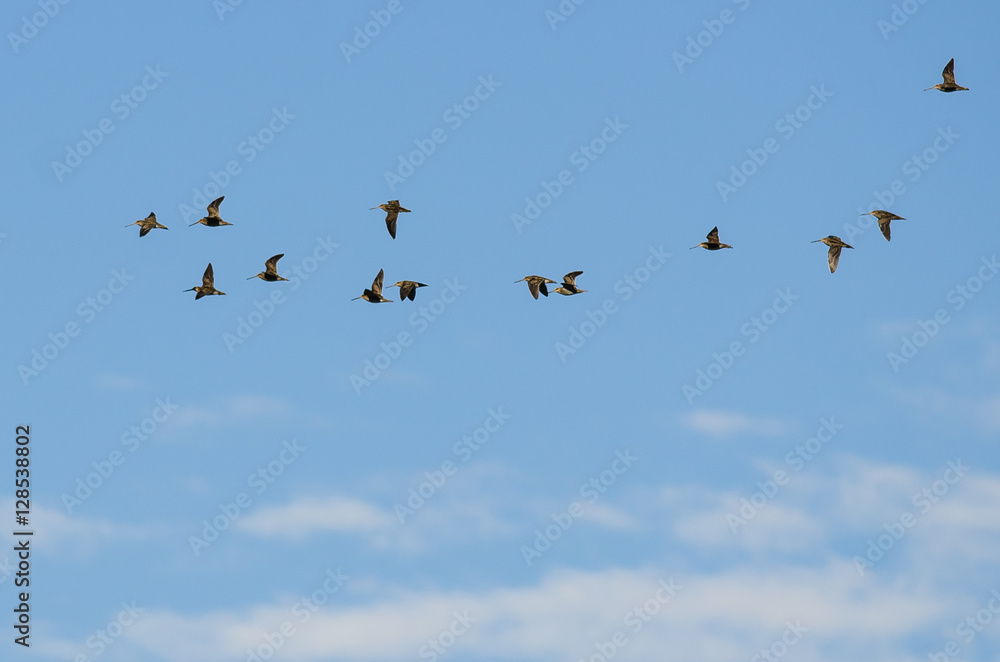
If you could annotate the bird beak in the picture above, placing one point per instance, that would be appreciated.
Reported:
(251, 277)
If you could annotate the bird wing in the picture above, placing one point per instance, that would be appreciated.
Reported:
(883, 225)
(713, 236)
(541, 287)
(407, 289)
(151, 217)
(390, 221)
(949, 72)
(144, 229)
(208, 280)
(533, 286)
(833, 258)
(271, 266)
(213, 209)
(570, 278)
(377, 283)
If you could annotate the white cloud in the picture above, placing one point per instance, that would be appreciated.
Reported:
(310, 515)
(721, 616)
(727, 424)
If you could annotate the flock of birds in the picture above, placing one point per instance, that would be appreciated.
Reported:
(884, 217)
(536, 284)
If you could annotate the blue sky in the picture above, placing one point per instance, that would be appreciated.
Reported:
(705, 456)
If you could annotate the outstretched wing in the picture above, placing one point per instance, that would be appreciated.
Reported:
(271, 266)
(883, 225)
(213, 209)
(570, 278)
(949, 72)
(390, 221)
(713, 236)
(208, 280)
(833, 258)
(377, 283)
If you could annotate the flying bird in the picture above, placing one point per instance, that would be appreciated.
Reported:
(147, 224)
(391, 210)
(207, 284)
(270, 272)
(213, 220)
(949, 84)
(374, 295)
(835, 244)
(568, 287)
(407, 289)
(536, 284)
(713, 241)
(884, 218)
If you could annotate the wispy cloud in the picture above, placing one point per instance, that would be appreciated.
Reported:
(728, 424)
(712, 617)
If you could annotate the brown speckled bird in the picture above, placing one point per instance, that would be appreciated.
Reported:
(949, 84)
(374, 295)
(884, 218)
(213, 220)
(147, 224)
(835, 244)
(713, 241)
(391, 210)
(207, 284)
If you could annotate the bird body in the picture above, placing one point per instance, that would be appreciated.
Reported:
(407, 289)
(884, 218)
(949, 84)
(833, 256)
(207, 284)
(568, 287)
(213, 220)
(270, 272)
(374, 295)
(536, 284)
(147, 224)
(713, 243)
(391, 209)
